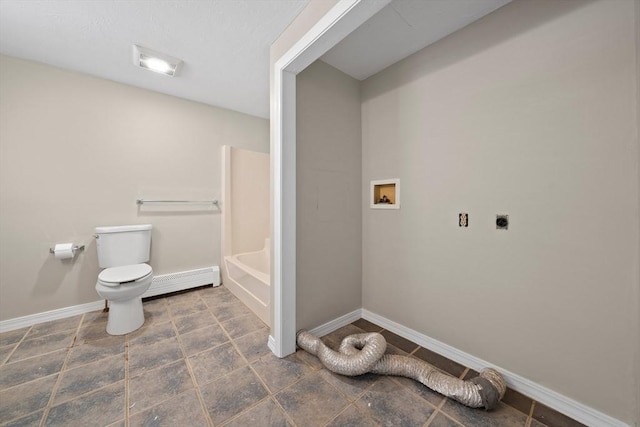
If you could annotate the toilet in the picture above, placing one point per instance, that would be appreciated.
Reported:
(123, 252)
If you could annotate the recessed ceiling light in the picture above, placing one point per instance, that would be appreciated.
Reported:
(156, 61)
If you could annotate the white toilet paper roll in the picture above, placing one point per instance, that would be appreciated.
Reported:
(63, 251)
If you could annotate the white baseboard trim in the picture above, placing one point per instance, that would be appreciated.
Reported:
(338, 323)
(550, 398)
(47, 316)
(325, 328)
(271, 343)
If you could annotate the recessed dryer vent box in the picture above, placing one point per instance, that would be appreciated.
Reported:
(385, 194)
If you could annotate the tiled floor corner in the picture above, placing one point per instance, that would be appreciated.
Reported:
(201, 359)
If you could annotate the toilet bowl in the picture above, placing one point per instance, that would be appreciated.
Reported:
(123, 287)
(123, 252)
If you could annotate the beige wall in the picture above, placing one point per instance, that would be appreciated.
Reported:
(329, 218)
(76, 152)
(249, 200)
(530, 112)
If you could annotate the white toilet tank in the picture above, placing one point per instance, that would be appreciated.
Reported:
(123, 245)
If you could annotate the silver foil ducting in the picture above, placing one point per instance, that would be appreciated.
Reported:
(362, 353)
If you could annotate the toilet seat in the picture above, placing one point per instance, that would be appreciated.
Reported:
(116, 276)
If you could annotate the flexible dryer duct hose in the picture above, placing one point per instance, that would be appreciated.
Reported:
(362, 353)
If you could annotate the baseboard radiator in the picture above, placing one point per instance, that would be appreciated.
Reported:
(173, 282)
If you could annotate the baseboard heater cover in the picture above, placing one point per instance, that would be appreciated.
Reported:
(174, 282)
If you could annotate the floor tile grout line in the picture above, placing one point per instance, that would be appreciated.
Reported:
(15, 346)
(54, 332)
(530, 417)
(83, 395)
(172, 318)
(192, 375)
(284, 411)
(60, 373)
(4, 361)
(81, 364)
(465, 372)
(41, 354)
(415, 350)
(66, 371)
(30, 381)
(159, 402)
(37, 355)
(245, 410)
(431, 417)
(154, 368)
(360, 395)
(268, 397)
(32, 412)
(264, 384)
(126, 380)
(339, 392)
(232, 339)
(338, 414)
(54, 390)
(197, 328)
(441, 404)
(221, 376)
(207, 349)
(312, 367)
(395, 380)
(270, 394)
(7, 422)
(409, 353)
(293, 383)
(457, 423)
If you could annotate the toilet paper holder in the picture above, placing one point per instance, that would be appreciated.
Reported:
(75, 249)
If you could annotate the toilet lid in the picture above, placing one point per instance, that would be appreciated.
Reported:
(127, 273)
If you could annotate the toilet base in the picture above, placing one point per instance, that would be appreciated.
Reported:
(125, 316)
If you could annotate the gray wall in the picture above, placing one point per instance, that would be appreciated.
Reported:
(76, 152)
(531, 112)
(329, 217)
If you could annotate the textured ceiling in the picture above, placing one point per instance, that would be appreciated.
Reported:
(401, 29)
(224, 43)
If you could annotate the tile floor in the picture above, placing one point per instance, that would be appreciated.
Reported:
(201, 360)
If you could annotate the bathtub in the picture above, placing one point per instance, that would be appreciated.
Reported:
(250, 279)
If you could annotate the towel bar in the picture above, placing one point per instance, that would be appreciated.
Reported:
(191, 202)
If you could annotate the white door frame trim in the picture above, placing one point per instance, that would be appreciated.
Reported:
(341, 20)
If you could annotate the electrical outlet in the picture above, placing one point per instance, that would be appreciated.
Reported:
(463, 219)
(502, 222)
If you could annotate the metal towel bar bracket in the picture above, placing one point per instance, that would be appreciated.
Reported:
(189, 202)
